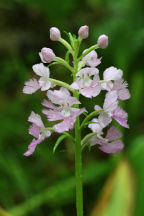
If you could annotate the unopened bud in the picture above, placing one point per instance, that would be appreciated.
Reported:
(55, 34)
(47, 55)
(84, 32)
(103, 41)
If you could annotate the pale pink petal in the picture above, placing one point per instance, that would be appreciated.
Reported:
(44, 83)
(104, 119)
(97, 107)
(112, 148)
(34, 130)
(91, 59)
(41, 70)
(32, 146)
(111, 101)
(95, 127)
(31, 86)
(121, 87)
(120, 116)
(113, 133)
(36, 119)
(112, 73)
(53, 115)
(49, 104)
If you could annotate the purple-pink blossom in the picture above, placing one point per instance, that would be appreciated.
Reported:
(87, 82)
(33, 85)
(38, 131)
(65, 111)
(109, 144)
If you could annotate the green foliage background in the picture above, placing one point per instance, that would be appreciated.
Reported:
(43, 184)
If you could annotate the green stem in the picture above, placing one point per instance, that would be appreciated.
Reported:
(66, 44)
(78, 166)
(78, 152)
(64, 63)
(92, 114)
(88, 51)
(60, 83)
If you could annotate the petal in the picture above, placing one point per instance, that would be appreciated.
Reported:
(34, 130)
(120, 116)
(89, 71)
(53, 115)
(44, 84)
(110, 102)
(31, 86)
(113, 147)
(32, 146)
(41, 70)
(113, 133)
(91, 59)
(95, 127)
(49, 104)
(112, 73)
(36, 119)
(121, 87)
(104, 119)
(93, 140)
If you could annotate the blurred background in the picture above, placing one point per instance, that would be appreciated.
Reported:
(43, 184)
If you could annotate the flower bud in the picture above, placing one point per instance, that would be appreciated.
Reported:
(84, 32)
(47, 55)
(55, 34)
(103, 41)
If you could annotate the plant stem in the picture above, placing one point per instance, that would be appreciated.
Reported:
(78, 151)
(78, 167)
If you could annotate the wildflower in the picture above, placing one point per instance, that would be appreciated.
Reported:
(33, 85)
(37, 130)
(55, 34)
(87, 86)
(64, 111)
(112, 110)
(109, 75)
(44, 73)
(84, 32)
(103, 41)
(47, 55)
(109, 144)
(91, 59)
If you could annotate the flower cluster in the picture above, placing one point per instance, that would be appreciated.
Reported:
(63, 107)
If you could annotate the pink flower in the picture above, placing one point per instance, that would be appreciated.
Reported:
(33, 85)
(91, 59)
(37, 130)
(47, 55)
(109, 75)
(84, 32)
(112, 110)
(121, 87)
(87, 86)
(103, 41)
(64, 111)
(109, 144)
(44, 73)
(55, 34)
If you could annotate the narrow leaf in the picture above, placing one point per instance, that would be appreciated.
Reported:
(59, 140)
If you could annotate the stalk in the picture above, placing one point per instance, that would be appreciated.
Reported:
(78, 152)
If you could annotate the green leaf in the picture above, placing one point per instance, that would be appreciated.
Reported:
(67, 56)
(59, 140)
